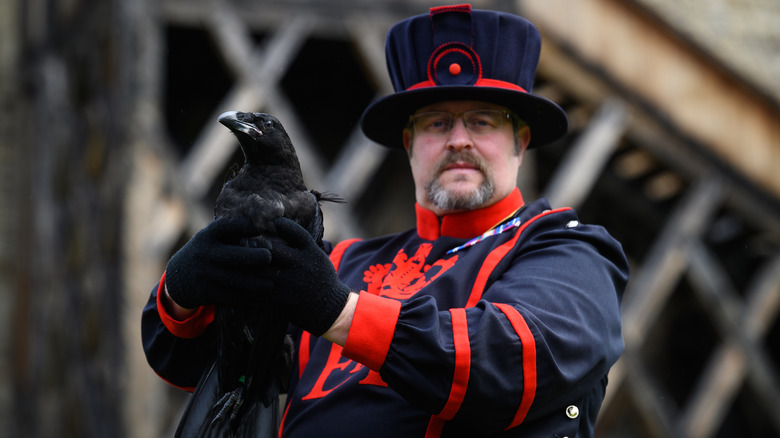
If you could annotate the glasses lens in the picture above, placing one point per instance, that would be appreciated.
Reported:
(436, 122)
(482, 121)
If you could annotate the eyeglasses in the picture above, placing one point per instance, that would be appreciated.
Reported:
(479, 121)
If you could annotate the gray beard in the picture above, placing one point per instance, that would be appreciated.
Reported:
(447, 200)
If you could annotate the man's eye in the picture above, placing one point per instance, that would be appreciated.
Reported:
(484, 121)
(434, 122)
(480, 123)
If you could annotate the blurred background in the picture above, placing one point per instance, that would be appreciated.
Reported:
(111, 158)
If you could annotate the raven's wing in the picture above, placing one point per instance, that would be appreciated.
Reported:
(316, 227)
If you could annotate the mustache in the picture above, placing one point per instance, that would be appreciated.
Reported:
(460, 157)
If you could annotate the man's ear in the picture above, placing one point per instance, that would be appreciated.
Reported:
(523, 137)
(408, 142)
(522, 141)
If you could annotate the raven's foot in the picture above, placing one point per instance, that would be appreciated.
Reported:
(230, 403)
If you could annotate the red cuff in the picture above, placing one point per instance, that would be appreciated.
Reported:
(189, 328)
(372, 330)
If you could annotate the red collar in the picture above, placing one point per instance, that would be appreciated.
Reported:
(468, 223)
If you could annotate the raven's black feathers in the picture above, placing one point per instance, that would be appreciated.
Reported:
(238, 396)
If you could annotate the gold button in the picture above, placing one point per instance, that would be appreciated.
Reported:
(572, 412)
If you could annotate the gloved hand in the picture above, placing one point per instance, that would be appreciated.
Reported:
(306, 286)
(214, 268)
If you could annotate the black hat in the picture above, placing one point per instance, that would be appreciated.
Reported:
(454, 53)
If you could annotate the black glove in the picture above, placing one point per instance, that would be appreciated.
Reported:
(214, 268)
(306, 286)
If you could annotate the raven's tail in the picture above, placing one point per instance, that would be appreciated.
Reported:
(257, 419)
(252, 408)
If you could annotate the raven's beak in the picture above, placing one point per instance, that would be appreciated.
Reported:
(232, 121)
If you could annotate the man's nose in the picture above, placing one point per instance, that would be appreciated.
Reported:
(459, 137)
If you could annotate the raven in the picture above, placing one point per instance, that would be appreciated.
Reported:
(238, 394)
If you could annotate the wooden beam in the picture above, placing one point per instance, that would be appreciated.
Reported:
(575, 177)
(652, 285)
(698, 95)
(741, 354)
(214, 145)
(724, 374)
(650, 399)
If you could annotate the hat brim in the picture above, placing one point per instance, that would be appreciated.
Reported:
(385, 119)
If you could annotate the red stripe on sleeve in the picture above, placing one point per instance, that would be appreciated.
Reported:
(460, 380)
(494, 258)
(529, 361)
(189, 328)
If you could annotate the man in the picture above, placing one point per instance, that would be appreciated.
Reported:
(491, 318)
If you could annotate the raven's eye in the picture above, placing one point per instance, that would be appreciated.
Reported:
(268, 124)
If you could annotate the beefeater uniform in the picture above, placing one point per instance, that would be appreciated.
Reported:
(502, 322)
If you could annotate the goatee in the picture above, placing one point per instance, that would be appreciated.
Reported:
(449, 200)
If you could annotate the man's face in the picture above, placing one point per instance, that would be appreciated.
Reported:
(463, 168)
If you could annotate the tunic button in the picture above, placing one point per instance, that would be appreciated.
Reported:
(572, 224)
(572, 412)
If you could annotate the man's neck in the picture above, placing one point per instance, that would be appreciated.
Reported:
(465, 224)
